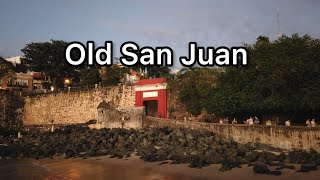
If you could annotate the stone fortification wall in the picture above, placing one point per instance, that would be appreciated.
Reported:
(74, 107)
(277, 136)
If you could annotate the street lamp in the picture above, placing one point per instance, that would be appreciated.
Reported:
(67, 81)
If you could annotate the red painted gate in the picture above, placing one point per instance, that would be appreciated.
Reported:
(153, 89)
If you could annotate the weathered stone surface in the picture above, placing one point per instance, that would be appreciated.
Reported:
(131, 117)
(74, 107)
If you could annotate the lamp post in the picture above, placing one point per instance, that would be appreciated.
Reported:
(67, 82)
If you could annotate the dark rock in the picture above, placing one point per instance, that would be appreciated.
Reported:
(161, 156)
(150, 157)
(250, 146)
(198, 162)
(289, 167)
(314, 152)
(102, 152)
(261, 168)
(299, 157)
(242, 150)
(4, 152)
(220, 150)
(307, 168)
(228, 164)
(252, 156)
(82, 154)
(165, 162)
(281, 157)
(266, 147)
(267, 157)
(113, 156)
(128, 155)
(285, 167)
(196, 148)
(240, 160)
(275, 173)
(178, 159)
(277, 163)
(68, 129)
(213, 157)
(69, 153)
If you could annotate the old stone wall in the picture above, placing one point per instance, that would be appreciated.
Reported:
(129, 117)
(74, 107)
(276, 136)
(137, 115)
(80, 106)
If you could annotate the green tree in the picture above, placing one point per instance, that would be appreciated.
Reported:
(153, 71)
(281, 79)
(48, 58)
(6, 68)
(196, 85)
(89, 76)
(113, 75)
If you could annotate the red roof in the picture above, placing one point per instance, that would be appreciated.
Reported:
(151, 81)
(134, 73)
(37, 75)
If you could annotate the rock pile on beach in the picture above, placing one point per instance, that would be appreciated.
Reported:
(198, 149)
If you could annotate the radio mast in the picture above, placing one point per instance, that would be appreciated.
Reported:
(278, 24)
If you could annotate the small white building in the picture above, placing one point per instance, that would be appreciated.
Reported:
(14, 60)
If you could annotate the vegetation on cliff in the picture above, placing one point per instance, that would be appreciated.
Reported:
(195, 86)
(6, 68)
(282, 78)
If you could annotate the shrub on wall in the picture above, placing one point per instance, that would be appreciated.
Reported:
(195, 87)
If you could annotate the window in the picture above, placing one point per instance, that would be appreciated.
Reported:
(24, 82)
(10, 82)
(17, 82)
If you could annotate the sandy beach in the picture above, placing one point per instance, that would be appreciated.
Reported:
(130, 168)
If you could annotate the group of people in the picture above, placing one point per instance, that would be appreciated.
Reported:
(255, 120)
(311, 123)
(226, 121)
(251, 120)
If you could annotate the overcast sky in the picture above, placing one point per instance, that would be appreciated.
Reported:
(153, 23)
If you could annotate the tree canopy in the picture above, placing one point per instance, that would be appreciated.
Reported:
(48, 58)
(6, 67)
(112, 75)
(195, 87)
(282, 77)
(89, 76)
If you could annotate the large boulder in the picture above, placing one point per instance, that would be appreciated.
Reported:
(307, 167)
(261, 168)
